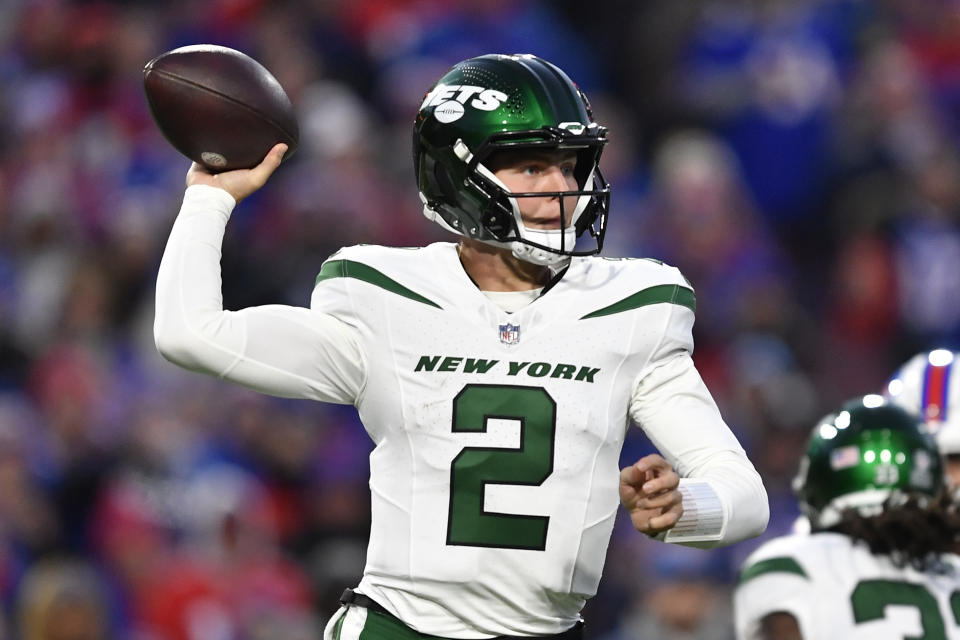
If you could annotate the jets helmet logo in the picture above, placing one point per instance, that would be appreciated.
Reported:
(575, 128)
(451, 100)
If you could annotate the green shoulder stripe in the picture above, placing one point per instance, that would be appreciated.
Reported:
(778, 565)
(360, 271)
(669, 293)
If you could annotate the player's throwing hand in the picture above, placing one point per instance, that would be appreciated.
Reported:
(648, 489)
(239, 183)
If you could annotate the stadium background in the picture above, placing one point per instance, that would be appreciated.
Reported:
(796, 159)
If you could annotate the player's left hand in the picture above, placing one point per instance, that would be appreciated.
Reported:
(649, 491)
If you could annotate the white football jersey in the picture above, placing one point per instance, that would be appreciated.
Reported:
(494, 478)
(835, 588)
(495, 473)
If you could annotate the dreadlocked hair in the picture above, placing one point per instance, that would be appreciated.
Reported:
(912, 529)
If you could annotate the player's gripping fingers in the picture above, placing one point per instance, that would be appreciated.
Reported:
(262, 172)
(668, 481)
(666, 520)
(643, 470)
(650, 476)
(654, 521)
(653, 463)
(632, 477)
(666, 500)
(241, 182)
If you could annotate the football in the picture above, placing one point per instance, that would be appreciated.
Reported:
(218, 106)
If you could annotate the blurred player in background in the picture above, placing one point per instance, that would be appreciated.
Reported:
(496, 375)
(878, 562)
(928, 384)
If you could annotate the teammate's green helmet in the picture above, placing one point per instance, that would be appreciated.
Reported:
(860, 455)
(498, 102)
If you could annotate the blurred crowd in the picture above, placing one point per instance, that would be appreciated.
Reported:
(797, 159)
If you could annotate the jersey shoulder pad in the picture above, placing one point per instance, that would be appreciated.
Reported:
(806, 555)
(783, 555)
(648, 268)
(374, 255)
(390, 270)
(629, 283)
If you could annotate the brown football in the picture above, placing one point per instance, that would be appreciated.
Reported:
(218, 106)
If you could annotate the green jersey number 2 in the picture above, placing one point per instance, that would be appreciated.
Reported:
(469, 524)
(871, 597)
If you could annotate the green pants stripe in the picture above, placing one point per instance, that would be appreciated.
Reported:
(358, 623)
(362, 624)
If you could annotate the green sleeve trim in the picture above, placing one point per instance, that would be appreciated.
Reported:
(778, 565)
(668, 293)
(360, 271)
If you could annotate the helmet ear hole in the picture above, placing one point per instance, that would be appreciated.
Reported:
(497, 221)
(445, 182)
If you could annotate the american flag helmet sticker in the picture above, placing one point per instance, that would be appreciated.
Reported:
(845, 457)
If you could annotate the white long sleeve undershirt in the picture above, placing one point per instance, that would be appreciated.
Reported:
(280, 350)
(298, 352)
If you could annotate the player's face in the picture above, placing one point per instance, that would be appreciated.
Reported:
(526, 171)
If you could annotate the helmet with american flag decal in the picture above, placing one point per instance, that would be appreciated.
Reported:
(859, 457)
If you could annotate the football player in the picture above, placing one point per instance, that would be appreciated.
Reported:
(496, 375)
(929, 384)
(877, 563)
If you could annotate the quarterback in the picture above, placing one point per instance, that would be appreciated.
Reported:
(878, 562)
(496, 376)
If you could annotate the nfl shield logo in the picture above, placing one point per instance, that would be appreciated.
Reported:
(509, 333)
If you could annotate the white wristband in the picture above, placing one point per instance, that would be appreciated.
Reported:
(702, 519)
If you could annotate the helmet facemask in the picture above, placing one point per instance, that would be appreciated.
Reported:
(502, 218)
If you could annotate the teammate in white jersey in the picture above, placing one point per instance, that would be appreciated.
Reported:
(929, 384)
(878, 563)
(496, 376)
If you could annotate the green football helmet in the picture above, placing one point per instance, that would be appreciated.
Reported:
(860, 456)
(498, 102)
